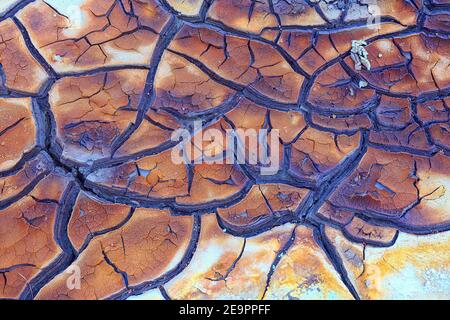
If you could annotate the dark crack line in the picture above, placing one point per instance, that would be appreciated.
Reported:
(95, 234)
(116, 269)
(232, 266)
(34, 52)
(277, 260)
(164, 293)
(309, 206)
(156, 283)
(329, 183)
(16, 8)
(333, 256)
(148, 95)
(67, 256)
(247, 91)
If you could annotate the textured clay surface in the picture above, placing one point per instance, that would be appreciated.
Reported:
(92, 205)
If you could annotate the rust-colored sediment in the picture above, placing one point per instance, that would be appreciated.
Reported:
(93, 205)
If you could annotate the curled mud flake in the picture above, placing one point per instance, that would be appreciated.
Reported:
(147, 246)
(18, 132)
(20, 71)
(262, 203)
(415, 64)
(91, 217)
(383, 183)
(89, 34)
(360, 55)
(297, 12)
(91, 112)
(224, 266)
(27, 235)
(314, 50)
(414, 267)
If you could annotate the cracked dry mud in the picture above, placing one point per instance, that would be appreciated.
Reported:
(91, 92)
